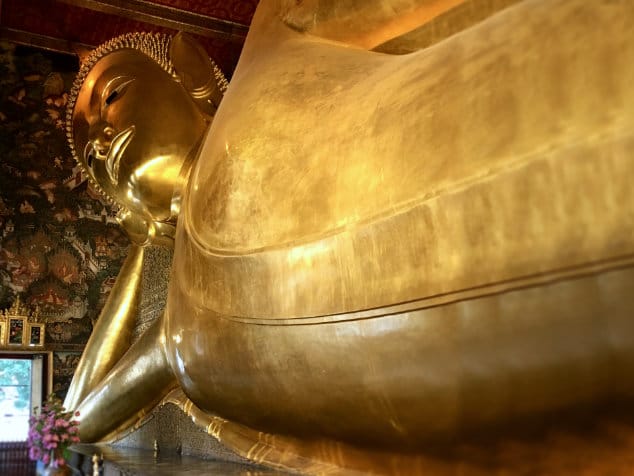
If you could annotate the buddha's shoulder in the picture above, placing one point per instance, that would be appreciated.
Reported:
(253, 202)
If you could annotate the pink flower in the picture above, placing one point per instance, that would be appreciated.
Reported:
(61, 423)
(51, 432)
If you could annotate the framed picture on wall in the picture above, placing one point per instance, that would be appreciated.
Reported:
(15, 334)
(3, 333)
(36, 335)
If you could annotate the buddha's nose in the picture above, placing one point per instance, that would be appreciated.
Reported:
(99, 140)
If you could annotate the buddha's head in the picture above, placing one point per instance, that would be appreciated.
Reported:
(135, 126)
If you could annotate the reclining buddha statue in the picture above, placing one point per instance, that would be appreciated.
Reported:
(403, 225)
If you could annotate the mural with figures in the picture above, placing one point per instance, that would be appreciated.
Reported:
(64, 365)
(60, 248)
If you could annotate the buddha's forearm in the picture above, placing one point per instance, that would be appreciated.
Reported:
(133, 387)
(112, 334)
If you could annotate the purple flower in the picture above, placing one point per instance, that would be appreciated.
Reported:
(34, 453)
(51, 432)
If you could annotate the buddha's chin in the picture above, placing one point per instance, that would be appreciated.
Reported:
(145, 205)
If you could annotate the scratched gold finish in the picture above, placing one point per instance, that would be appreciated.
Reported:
(380, 253)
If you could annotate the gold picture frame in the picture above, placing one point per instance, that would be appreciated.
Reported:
(21, 327)
(35, 335)
(16, 331)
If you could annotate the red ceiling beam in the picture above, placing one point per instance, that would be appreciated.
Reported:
(41, 41)
(168, 17)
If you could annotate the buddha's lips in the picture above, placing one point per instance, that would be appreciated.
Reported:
(117, 148)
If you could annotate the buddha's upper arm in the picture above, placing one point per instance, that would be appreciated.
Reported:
(363, 23)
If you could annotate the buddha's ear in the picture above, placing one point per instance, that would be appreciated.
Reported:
(195, 70)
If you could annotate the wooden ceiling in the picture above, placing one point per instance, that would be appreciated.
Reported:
(64, 25)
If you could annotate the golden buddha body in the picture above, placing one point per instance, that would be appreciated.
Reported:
(382, 250)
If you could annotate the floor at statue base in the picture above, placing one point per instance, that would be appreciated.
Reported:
(182, 448)
(604, 445)
(116, 461)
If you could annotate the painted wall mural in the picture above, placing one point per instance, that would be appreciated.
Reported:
(60, 247)
(64, 365)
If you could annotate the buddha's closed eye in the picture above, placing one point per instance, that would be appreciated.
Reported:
(116, 88)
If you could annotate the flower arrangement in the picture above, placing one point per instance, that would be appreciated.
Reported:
(51, 432)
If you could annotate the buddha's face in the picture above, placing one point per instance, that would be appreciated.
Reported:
(134, 127)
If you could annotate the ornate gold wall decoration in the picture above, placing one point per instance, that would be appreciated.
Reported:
(21, 327)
